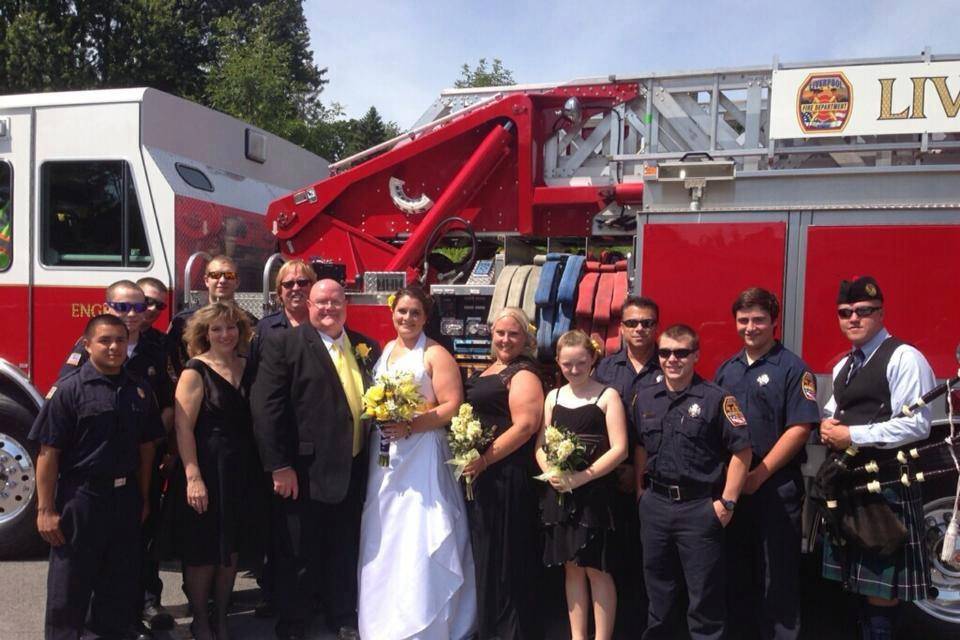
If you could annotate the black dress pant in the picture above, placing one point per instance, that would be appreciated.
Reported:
(763, 560)
(100, 559)
(316, 551)
(683, 544)
(150, 567)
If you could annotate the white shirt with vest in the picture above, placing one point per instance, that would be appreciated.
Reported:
(909, 376)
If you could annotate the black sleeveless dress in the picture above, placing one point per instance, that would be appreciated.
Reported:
(504, 531)
(236, 516)
(580, 528)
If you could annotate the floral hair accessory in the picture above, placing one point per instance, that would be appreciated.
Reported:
(532, 328)
(391, 299)
(597, 348)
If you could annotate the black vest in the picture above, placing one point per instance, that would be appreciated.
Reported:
(867, 398)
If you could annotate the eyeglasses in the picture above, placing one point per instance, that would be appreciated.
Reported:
(862, 312)
(216, 275)
(679, 353)
(300, 282)
(632, 323)
(154, 304)
(125, 307)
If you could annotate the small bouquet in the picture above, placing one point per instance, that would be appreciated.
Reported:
(466, 436)
(565, 454)
(394, 398)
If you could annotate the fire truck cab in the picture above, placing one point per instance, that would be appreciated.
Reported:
(98, 186)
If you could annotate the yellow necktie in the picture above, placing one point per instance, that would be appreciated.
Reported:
(348, 372)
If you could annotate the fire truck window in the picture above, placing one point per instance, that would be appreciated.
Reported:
(194, 177)
(6, 218)
(91, 216)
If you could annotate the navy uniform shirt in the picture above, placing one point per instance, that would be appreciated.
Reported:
(98, 423)
(276, 321)
(689, 435)
(617, 371)
(775, 392)
(147, 362)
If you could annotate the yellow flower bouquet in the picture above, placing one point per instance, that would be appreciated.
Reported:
(565, 454)
(466, 437)
(394, 397)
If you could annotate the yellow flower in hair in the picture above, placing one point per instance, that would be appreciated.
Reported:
(597, 347)
(391, 299)
(532, 328)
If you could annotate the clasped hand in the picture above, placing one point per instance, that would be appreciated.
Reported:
(834, 434)
(394, 431)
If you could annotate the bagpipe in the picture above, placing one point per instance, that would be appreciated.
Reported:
(849, 486)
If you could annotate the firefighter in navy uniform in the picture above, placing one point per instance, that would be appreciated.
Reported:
(694, 448)
(96, 433)
(155, 295)
(633, 367)
(145, 360)
(880, 374)
(778, 395)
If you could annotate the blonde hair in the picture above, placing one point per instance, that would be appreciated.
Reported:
(518, 316)
(198, 326)
(577, 338)
(293, 265)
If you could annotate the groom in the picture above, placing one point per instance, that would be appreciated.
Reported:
(306, 404)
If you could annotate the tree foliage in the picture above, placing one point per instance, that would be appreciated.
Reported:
(480, 76)
(248, 58)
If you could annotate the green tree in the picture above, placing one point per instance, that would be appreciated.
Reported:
(481, 76)
(368, 131)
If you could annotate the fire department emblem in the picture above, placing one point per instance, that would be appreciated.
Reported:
(809, 386)
(870, 289)
(732, 410)
(694, 410)
(823, 103)
(763, 379)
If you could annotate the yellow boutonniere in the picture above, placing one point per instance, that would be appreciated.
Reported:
(391, 299)
(362, 351)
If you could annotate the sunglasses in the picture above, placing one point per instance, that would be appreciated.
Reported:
(679, 353)
(632, 323)
(156, 305)
(125, 307)
(216, 275)
(300, 282)
(862, 312)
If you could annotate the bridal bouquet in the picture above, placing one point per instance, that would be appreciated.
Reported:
(394, 397)
(466, 436)
(565, 453)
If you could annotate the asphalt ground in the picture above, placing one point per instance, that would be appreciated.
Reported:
(827, 611)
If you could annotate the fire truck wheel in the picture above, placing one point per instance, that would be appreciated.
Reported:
(18, 501)
(942, 612)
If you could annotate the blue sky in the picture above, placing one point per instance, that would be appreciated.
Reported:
(399, 55)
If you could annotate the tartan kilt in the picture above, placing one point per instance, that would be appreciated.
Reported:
(905, 575)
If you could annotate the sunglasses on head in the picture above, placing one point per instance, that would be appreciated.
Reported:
(862, 312)
(125, 307)
(632, 323)
(679, 353)
(216, 275)
(300, 282)
(156, 305)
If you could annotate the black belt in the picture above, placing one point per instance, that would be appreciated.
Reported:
(108, 483)
(681, 493)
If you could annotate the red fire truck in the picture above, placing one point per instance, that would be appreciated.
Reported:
(562, 198)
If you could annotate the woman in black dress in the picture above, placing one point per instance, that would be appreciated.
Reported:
(579, 527)
(508, 396)
(215, 518)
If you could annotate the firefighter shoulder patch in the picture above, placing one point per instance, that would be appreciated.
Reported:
(808, 384)
(52, 391)
(73, 359)
(733, 413)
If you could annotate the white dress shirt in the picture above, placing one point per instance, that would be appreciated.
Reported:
(909, 376)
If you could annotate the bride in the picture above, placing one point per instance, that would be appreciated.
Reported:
(416, 568)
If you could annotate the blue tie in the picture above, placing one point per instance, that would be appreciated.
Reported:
(856, 362)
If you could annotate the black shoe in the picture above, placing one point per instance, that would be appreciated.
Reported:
(158, 618)
(264, 609)
(348, 633)
(290, 631)
(139, 631)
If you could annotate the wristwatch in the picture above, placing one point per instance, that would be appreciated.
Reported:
(729, 505)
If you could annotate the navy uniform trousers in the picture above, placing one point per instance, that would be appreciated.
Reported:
(683, 544)
(101, 556)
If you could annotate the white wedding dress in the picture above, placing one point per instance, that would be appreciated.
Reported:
(416, 567)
